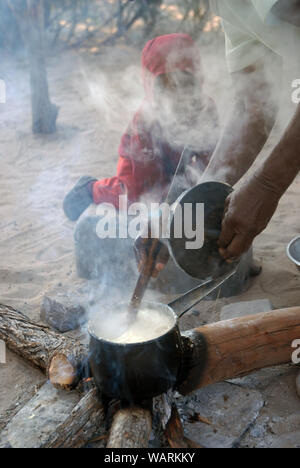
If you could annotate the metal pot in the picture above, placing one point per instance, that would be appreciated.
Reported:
(204, 262)
(293, 251)
(137, 371)
(140, 371)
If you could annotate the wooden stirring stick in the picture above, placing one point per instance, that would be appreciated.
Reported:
(147, 271)
(145, 276)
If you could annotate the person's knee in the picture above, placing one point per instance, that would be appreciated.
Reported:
(85, 228)
(87, 248)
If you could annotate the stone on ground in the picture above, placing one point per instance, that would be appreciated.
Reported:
(278, 424)
(230, 409)
(63, 311)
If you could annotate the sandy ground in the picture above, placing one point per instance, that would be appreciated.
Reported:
(36, 244)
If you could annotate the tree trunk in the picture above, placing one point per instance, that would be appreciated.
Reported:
(30, 17)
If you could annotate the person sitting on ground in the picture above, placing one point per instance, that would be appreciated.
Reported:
(175, 112)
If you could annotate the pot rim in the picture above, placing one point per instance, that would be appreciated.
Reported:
(146, 303)
(288, 251)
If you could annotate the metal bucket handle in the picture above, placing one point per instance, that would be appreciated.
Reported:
(187, 301)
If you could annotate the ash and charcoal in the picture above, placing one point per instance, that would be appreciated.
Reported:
(261, 410)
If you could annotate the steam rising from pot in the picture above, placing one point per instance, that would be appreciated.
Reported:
(149, 325)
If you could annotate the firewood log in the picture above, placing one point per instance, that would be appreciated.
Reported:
(59, 356)
(175, 433)
(66, 367)
(131, 428)
(56, 419)
(87, 417)
(240, 346)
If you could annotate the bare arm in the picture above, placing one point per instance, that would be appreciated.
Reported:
(288, 10)
(283, 164)
(247, 129)
(250, 208)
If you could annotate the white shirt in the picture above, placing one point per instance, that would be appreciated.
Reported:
(251, 31)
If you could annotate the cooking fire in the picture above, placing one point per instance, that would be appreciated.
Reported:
(149, 228)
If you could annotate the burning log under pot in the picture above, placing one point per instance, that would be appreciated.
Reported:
(210, 354)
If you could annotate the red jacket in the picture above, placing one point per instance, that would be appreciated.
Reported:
(146, 161)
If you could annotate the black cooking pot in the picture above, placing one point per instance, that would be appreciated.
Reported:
(140, 371)
(137, 371)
